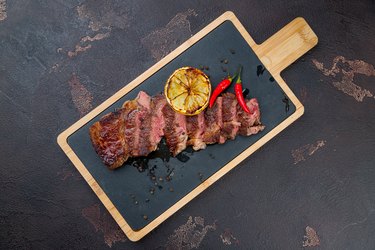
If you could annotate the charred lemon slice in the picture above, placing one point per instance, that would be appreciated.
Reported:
(188, 91)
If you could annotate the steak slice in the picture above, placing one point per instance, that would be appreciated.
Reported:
(158, 103)
(138, 125)
(131, 124)
(213, 123)
(108, 138)
(175, 130)
(195, 128)
(230, 123)
(250, 123)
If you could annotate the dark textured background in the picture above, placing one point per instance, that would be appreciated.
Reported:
(60, 59)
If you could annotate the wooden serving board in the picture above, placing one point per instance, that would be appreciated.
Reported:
(140, 203)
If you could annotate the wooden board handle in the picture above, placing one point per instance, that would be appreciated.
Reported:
(287, 45)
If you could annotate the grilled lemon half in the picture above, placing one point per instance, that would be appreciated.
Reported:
(188, 91)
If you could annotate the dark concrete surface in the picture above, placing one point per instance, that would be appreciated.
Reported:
(312, 186)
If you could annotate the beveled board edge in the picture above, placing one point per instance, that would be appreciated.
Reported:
(137, 235)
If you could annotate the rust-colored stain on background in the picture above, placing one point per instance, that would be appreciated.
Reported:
(100, 20)
(189, 235)
(162, 41)
(311, 238)
(84, 44)
(299, 154)
(81, 97)
(347, 84)
(105, 224)
(227, 238)
(3, 10)
(105, 17)
(78, 49)
(97, 37)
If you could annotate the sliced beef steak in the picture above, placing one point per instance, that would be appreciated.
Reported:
(158, 102)
(250, 123)
(137, 122)
(175, 130)
(131, 124)
(143, 130)
(195, 126)
(137, 128)
(230, 123)
(213, 123)
(107, 137)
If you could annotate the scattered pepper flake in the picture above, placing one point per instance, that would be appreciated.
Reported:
(260, 70)
(287, 105)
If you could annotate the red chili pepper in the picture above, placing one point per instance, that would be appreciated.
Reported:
(238, 91)
(223, 85)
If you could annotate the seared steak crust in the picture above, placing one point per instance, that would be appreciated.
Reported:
(108, 138)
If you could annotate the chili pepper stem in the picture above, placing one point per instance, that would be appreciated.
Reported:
(239, 75)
